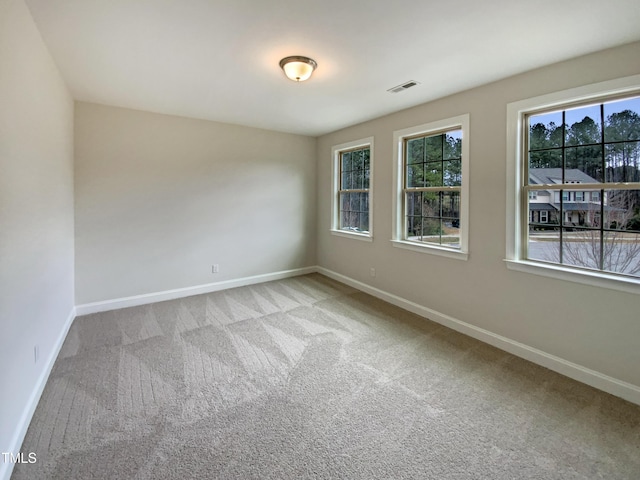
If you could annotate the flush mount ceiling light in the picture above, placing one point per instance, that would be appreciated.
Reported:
(298, 68)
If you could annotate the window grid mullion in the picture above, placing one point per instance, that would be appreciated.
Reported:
(604, 179)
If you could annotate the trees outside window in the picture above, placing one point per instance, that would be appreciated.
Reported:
(588, 158)
(352, 180)
(430, 188)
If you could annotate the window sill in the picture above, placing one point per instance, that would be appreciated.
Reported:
(431, 249)
(365, 237)
(594, 279)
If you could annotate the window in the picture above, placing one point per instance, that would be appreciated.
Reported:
(544, 216)
(588, 139)
(430, 187)
(352, 179)
(533, 195)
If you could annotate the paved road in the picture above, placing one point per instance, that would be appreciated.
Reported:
(617, 256)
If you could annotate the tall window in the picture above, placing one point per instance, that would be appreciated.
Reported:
(586, 155)
(431, 194)
(352, 189)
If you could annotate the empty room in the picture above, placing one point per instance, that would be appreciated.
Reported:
(339, 239)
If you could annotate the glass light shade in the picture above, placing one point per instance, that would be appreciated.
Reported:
(297, 68)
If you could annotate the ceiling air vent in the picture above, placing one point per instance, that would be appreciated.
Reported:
(404, 86)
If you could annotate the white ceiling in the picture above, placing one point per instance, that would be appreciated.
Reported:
(218, 59)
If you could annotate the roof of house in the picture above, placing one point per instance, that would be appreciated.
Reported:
(588, 206)
(554, 175)
(542, 206)
(573, 207)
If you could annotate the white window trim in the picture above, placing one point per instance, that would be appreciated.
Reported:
(515, 120)
(335, 172)
(461, 121)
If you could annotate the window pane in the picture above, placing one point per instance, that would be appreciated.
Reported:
(622, 210)
(364, 222)
(433, 174)
(451, 233)
(366, 154)
(349, 204)
(415, 150)
(580, 214)
(354, 202)
(622, 252)
(545, 131)
(347, 201)
(622, 120)
(431, 204)
(431, 230)
(588, 160)
(356, 160)
(584, 125)
(581, 247)
(546, 159)
(414, 228)
(346, 162)
(451, 205)
(344, 201)
(544, 243)
(433, 148)
(364, 203)
(415, 175)
(413, 205)
(453, 145)
(347, 184)
(357, 178)
(452, 173)
(354, 211)
(622, 160)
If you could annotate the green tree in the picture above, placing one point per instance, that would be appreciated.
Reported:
(545, 142)
(623, 159)
(581, 153)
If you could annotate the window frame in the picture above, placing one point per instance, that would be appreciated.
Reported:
(336, 153)
(398, 221)
(515, 167)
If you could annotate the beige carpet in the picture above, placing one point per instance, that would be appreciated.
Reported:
(308, 378)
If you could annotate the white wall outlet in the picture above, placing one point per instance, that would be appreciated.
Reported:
(372, 272)
(215, 268)
(36, 353)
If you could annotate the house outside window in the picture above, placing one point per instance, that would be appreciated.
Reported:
(352, 183)
(431, 165)
(581, 147)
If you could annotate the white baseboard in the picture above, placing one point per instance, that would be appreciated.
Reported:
(582, 374)
(6, 468)
(147, 298)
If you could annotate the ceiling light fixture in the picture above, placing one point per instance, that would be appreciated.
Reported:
(298, 68)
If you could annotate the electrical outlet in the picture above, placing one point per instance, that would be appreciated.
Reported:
(215, 268)
(372, 272)
(36, 353)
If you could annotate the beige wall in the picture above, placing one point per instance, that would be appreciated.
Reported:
(159, 199)
(593, 327)
(36, 214)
